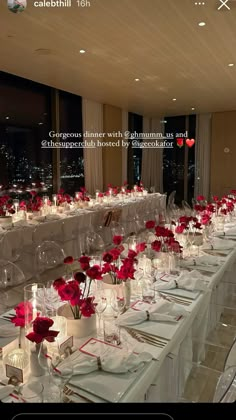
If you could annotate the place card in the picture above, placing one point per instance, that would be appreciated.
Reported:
(13, 372)
(168, 277)
(66, 343)
(98, 348)
(139, 305)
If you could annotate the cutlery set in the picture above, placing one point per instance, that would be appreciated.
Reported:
(147, 338)
(176, 299)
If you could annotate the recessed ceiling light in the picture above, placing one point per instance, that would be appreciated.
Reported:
(7, 118)
(82, 51)
(40, 123)
(193, 109)
(137, 80)
(174, 99)
(231, 64)
(202, 24)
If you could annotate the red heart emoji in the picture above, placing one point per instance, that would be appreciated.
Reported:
(180, 142)
(190, 142)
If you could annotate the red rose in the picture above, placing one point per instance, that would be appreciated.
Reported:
(68, 260)
(132, 254)
(58, 283)
(141, 247)
(115, 253)
(150, 224)
(94, 273)
(84, 262)
(117, 239)
(80, 277)
(70, 291)
(200, 198)
(24, 313)
(180, 228)
(87, 307)
(107, 257)
(41, 331)
(156, 246)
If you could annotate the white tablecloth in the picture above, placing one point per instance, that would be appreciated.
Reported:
(70, 231)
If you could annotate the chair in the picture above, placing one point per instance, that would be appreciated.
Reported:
(10, 274)
(171, 199)
(94, 243)
(48, 255)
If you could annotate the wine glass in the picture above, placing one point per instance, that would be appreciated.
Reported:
(118, 301)
(148, 291)
(100, 304)
(61, 371)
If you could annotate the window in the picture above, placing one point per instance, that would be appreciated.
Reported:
(179, 162)
(72, 160)
(27, 110)
(134, 153)
(25, 120)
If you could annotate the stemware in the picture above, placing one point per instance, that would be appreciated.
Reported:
(148, 291)
(118, 301)
(100, 304)
(61, 371)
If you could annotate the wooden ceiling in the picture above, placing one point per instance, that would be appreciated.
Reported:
(157, 41)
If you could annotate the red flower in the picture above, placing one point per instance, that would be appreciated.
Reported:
(87, 307)
(84, 262)
(80, 277)
(180, 228)
(141, 247)
(70, 292)
(156, 246)
(150, 224)
(107, 257)
(200, 198)
(94, 273)
(68, 260)
(58, 283)
(24, 313)
(117, 239)
(215, 198)
(132, 254)
(41, 330)
(115, 252)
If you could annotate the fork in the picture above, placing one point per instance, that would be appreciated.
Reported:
(145, 339)
(68, 392)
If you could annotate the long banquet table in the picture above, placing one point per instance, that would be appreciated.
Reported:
(70, 230)
(163, 379)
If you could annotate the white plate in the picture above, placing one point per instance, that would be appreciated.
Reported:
(189, 294)
(109, 387)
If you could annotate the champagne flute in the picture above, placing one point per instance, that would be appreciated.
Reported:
(118, 301)
(61, 371)
(100, 304)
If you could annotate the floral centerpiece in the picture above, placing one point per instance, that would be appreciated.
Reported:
(38, 353)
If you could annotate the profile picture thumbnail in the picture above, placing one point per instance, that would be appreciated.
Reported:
(17, 6)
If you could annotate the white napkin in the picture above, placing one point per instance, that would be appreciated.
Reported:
(162, 311)
(192, 280)
(219, 244)
(122, 363)
(5, 391)
(9, 330)
(203, 260)
(231, 231)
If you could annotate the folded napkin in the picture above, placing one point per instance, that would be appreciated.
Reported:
(122, 363)
(8, 330)
(163, 311)
(5, 391)
(192, 280)
(219, 244)
(231, 231)
(204, 260)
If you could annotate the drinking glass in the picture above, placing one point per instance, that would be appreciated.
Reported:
(100, 304)
(61, 371)
(118, 301)
(31, 392)
(148, 291)
(111, 331)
